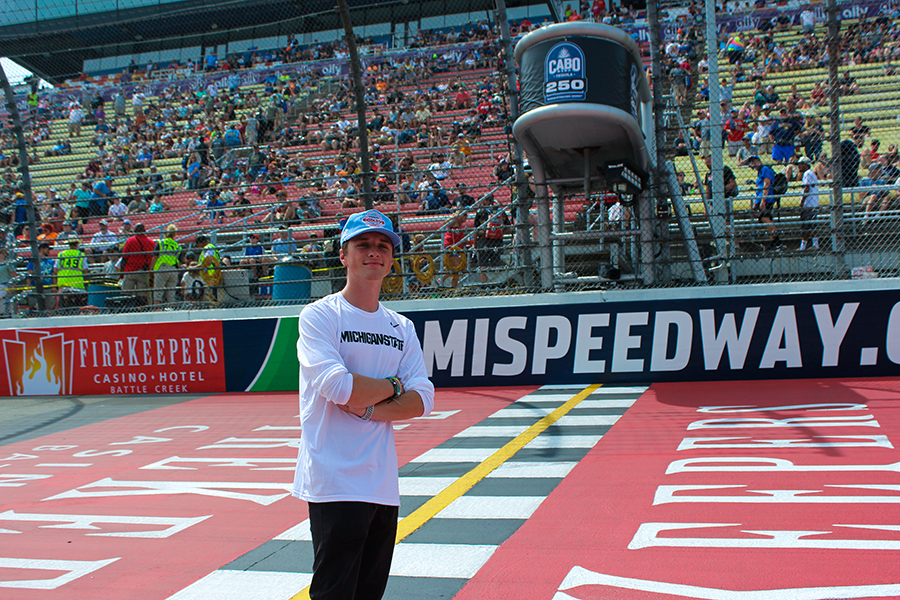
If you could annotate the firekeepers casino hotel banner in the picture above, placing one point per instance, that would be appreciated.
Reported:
(849, 334)
(151, 358)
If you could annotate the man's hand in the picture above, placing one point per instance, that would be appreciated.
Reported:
(359, 412)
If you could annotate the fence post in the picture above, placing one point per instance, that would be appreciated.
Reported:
(26, 187)
(834, 116)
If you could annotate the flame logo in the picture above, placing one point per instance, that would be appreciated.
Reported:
(39, 363)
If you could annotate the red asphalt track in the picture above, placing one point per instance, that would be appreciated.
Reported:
(783, 490)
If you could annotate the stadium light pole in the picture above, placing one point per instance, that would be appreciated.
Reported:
(359, 93)
(26, 186)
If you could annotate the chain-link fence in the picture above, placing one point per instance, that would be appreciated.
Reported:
(248, 149)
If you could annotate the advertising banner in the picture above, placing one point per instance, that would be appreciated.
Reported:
(784, 336)
(141, 358)
(698, 339)
(580, 69)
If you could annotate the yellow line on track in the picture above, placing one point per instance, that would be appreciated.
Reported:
(443, 499)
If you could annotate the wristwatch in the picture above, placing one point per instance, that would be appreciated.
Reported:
(369, 411)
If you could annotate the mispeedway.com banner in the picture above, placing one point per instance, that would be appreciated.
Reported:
(768, 337)
(847, 334)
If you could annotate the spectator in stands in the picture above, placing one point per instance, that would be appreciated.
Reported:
(287, 212)
(241, 205)
(455, 244)
(285, 244)
(817, 96)
(762, 138)
(870, 154)
(785, 130)
(811, 137)
(423, 115)
(76, 117)
(157, 205)
(435, 201)
(407, 192)
(48, 267)
(679, 77)
(765, 200)
(503, 170)
(807, 20)
(82, 199)
(68, 231)
(383, 193)
(194, 171)
(765, 96)
(859, 131)
(440, 167)
(137, 205)
(101, 195)
(874, 199)
(728, 178)
(463, 200)
(103, 240)
(192, 287)
(701, 130)
(117, 210)
(735, 131)
(210, 267)
(137, 105)
(461, 149)
(491, 223)
(745, 151)
(809, 205)
(850, 162)
(214, 205)
(255, 257)
(847, 85)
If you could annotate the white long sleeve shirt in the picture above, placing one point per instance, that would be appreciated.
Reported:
(341, 457)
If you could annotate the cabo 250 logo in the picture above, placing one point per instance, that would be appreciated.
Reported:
(564, 79)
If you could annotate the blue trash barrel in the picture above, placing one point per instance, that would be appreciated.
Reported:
(291, 282)
(99, 291)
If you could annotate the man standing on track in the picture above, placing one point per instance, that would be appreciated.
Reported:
(361, 367)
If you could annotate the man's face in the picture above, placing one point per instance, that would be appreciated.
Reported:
(368, 255)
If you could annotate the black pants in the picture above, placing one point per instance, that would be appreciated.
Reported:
(354, 545)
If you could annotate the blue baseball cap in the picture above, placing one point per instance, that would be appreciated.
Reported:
(364, 222)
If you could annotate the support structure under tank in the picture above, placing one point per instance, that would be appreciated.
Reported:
(586, 122)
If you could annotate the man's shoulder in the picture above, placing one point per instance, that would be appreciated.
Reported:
(321, 308)
(397, 320)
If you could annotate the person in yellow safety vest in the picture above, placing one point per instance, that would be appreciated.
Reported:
(32, 102)
(70, 267)
(209, 267)
(165, 267)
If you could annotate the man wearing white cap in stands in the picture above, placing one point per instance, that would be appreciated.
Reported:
(361, 368)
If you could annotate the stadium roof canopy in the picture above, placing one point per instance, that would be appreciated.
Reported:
(53, 38)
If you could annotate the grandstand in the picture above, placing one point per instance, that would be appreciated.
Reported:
(456, 72)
